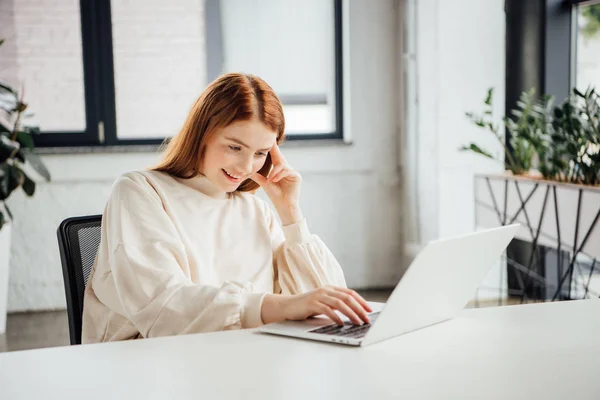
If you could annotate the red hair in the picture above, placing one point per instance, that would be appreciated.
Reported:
(230, 98)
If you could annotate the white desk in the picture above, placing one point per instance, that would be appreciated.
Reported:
(548, 351)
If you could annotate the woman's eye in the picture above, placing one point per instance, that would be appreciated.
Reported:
(261, 154)
(235, 148)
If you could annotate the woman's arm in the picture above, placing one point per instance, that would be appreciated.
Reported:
(309, 277)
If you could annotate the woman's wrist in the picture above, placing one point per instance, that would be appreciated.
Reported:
(290, 215)
(272, 308)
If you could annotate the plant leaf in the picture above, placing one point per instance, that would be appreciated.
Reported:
(37, 164)
(28, 185)
(490, 95)
(8, 148)
(474, 148)
(20, 156)
(25, 139)
(4, 181)
(10, 214)
(4, 128)
(5, 88)
(9, 180)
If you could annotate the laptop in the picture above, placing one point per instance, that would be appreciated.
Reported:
(435, 288)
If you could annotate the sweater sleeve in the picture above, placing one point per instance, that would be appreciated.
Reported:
(302, 262)
(148, 264)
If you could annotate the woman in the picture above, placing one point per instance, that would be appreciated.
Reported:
(186, 247)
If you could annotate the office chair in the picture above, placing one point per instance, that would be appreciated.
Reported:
(78, 241)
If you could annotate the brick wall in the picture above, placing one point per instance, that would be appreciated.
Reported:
(42, 52)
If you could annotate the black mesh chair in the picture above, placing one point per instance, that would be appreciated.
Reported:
(78, 241)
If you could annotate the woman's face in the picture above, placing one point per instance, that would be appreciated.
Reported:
(236, 152)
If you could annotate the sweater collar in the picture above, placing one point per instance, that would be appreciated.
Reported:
(202, 184)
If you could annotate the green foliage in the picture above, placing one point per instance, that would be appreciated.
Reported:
(576, 139)
(591, 18)
(519, 160)
(16, 148)
(562, 142)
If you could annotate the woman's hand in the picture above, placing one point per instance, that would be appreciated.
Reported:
(283, 187)
(325, 300)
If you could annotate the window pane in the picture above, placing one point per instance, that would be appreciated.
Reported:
(159, 63)
(290, 44)
(42, 52)
(588, 47)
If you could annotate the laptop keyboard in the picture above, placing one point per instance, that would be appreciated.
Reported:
(348, 329)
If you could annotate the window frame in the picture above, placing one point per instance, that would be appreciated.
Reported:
(99, 83)
(550, 69)
(572, 14)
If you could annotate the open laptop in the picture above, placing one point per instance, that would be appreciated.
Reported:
(438, 284)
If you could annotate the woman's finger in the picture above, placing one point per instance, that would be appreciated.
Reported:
(351, 303)
(285, 173)
(358, 298)
(258, 178)
(276, 155)
(276, 169)
(338, 304)
(326, 310)
(293, 174)
(284, 168)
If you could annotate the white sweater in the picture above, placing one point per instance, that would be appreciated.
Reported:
(179, 256)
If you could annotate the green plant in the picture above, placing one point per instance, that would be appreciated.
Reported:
(16, 148)
(575, 138)
(531, 124)
(562, 142)
(519, 160)
(591, 20)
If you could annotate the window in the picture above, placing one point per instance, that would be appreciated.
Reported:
(552, 46)
(291, 44)
(586, 55)
(113, 72)
(159, 62)
(42, 55)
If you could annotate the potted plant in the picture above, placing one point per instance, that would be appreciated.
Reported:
(17, 160)
(551, 186)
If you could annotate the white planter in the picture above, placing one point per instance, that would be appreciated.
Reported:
(4, 274)
(557, 215)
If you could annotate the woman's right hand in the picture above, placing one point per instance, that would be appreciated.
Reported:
(324, 300)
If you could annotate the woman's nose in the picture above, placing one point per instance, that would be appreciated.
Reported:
(247, 165)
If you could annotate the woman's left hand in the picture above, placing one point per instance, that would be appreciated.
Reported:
(283, 187)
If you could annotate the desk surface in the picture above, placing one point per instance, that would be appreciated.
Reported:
(544, 351)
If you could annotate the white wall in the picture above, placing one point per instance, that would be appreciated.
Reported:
(454, 54)
(459, 53)
(351, 196)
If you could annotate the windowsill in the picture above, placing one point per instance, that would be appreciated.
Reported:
(147, 148)
(154, 148)
(316, 143)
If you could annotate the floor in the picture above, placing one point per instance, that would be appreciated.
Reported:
(35, 330)
(50, 329)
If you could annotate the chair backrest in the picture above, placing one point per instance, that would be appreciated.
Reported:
(78, 241)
